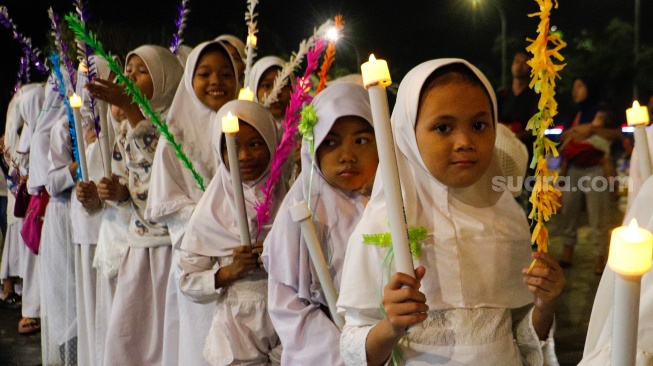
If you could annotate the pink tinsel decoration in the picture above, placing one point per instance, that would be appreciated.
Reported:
(298, 98)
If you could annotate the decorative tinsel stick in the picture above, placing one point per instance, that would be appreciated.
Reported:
(23, 73)
(62, 48)
(544, 72)
(61, 88)
(298, 98)
(250, 47)
(79, 27)
(180, 24)
(294, 62)
(329, 57)
(84, 54)
(30, 52)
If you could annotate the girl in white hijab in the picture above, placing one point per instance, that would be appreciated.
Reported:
(215, 265)
(135, 332)
(345, 162)
(261, 82)
(24, 110)
(472, 303)
(598, 350)
(236, 48)
(209, 82)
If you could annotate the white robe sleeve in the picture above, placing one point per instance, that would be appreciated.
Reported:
(304, 328)
(354, 335)
(533, 351)
(198, 276)
(60, 155)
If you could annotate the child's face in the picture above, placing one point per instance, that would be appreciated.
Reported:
(138, 72)
(238, 61)
(253, 153)
(455, 133)
(214, 81)
(265, 86)
(348, 157)
(579, 91)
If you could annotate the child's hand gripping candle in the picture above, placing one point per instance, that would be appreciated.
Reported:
(376, 77)
(76, 104)
(230, 128)
(638, 116)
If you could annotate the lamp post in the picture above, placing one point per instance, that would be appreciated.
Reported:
(504, 26)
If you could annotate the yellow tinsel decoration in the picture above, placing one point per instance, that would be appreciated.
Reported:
(545, 197)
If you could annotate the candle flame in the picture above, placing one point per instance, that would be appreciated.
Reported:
(372, 58)
(230, 116)
(633, 230)
(635, 105)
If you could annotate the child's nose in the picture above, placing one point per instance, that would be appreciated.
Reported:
(463, 142)
(243, 154)
(347, 154)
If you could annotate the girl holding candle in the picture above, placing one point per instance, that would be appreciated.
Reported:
(209, 82)
(215, 265)
(135, 331)
(468, 304)
(345, 162)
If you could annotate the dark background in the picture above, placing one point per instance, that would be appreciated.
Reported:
(405, 33)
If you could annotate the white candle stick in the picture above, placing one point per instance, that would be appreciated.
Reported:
(376, 77)
(638, 116)
(630, 257)
(76, 104)
(104, 138)
(301, 213)
(230, 128)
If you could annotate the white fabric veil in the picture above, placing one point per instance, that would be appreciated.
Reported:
(213, 228)
(335, 212)
(172, 186)
(478, 239)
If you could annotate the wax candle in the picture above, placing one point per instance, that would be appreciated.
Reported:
(302, 214)
(252, 40)
(376, 77)
(630, 258)
(246, 94)
(631, 248)
(76, 104)
(637, 115)
(230, 128)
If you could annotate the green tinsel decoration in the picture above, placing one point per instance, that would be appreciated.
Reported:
(384, 240)
(79, 27)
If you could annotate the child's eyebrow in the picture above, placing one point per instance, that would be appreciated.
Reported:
(366, 129)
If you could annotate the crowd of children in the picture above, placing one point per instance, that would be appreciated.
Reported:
(141, 266)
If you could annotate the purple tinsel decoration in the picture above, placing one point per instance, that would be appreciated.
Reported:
(23, 73)
(29, 51)
(180, 23)
(62, 48)
(298, 98)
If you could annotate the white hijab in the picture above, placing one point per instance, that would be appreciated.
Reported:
(29, 104)
(213, 228)
(191, 122)
(166, 72)
(53, 111)
(336, 212)
(259, 68)
(478, 239)
(599, 334)
(236, 42)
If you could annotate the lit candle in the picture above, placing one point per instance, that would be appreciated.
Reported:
(246, 94)
(252, 40)
(230, 123)
(230, 128)
(76, 104)
(375, 78)
(302, 214)
(375, 72)
(630, 257)
(638, 116)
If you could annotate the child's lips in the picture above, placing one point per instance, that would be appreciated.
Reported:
(464, 163)
(348, 173)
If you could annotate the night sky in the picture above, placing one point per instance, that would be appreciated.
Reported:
(404, 32)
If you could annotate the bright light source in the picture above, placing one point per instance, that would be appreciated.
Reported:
(553, 131)
(554, 28)
(332, 34)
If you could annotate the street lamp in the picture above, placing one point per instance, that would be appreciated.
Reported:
(504, 26)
